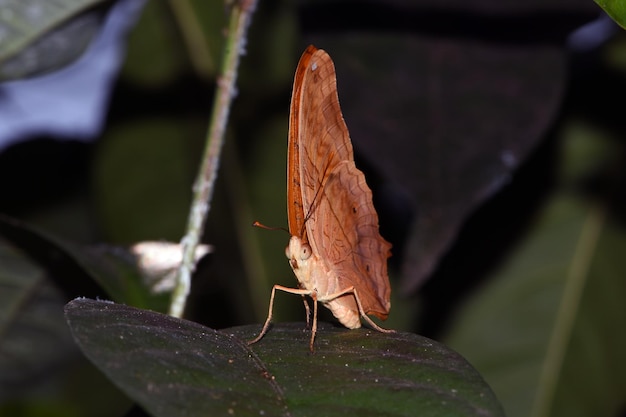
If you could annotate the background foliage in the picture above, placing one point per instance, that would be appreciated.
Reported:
(493, 146)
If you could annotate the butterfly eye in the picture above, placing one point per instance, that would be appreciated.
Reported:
(305, 252)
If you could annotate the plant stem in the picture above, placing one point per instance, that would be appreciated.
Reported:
(205, 182)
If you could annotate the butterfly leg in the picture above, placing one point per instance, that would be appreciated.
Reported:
(271, 308)
(353, 291)
(366, 317)
(314, 326)
(308, 312)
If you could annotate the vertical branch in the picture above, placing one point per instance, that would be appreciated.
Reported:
(205, 181)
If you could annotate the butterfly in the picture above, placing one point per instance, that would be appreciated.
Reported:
(335, 249)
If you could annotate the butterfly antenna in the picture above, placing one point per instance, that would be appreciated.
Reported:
(262, 226)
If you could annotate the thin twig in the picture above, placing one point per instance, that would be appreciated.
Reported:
(203, 188)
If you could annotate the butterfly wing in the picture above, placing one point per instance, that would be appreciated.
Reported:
(330, 204)
(318, 136)
(344, 234)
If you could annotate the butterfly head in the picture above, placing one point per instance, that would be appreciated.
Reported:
(301, 259)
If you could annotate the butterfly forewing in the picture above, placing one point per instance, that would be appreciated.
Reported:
(318, 136)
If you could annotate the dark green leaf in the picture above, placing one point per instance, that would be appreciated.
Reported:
(81, 270)
(39, 36)
(175, 367)
(142, 180)
(545, 332)
(415, 99)
(33, 337)
(363, 372)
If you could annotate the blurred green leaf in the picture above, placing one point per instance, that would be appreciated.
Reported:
(544, 330)
(120, 272)
(41, 369)
(532, 331)
(155, 52)
(33, 338)
(142, 180)
(416, 105)
(171, 36)
(176, 367)
(39, 36)
(593, 376)
(87, 270)
(616, 9)
(267, 201)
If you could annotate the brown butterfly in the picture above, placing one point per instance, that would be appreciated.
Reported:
(335, 249)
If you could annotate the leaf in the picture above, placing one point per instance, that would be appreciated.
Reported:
(86, 271)
(155, 54)
(38, 36)
(170, 366)
(142, 180)
(443, 105)
(158, 55)
(70, 102)
(366, 372)
(176, 367)
(33, 336)
(616, 9)
(544, 332)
